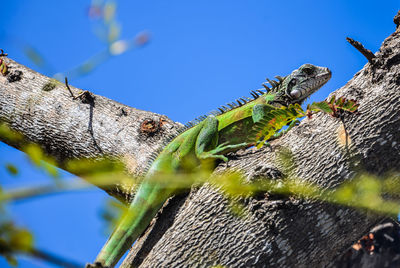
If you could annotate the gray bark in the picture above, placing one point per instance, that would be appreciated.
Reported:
(68, 128)
(379, 249)
(287, 232)
(199, 229)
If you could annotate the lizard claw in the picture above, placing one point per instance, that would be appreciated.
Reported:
(222, 145)
(223, 158)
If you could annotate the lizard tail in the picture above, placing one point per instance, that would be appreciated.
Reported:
(148, 200)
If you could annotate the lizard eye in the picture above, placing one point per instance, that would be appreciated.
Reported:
(308, 70)
(289, 87)
(295, 94)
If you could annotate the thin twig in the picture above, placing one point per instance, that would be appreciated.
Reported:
(366, 52)
(67, 186)
(2, 54)
(35, 191)
(69, 89)
(51, 258)
(396, 19)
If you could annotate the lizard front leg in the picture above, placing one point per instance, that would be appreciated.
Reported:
(259, 111)
(207, 146)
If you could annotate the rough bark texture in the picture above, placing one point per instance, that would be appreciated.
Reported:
(286, 232)
(200, 230)
(44, 111)
(380, 248)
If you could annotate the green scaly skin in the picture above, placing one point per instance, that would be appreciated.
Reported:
(210, 139)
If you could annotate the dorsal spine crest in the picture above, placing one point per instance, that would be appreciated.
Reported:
(239, 102)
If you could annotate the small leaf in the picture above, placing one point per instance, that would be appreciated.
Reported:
(3, 67)
(321, 106)
(50, 85)
(13, 170)
(350, 105)
(332, 100)
(340, 101)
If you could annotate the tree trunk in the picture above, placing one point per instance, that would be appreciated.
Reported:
(288, 232)
(380, 248)
(199, 229)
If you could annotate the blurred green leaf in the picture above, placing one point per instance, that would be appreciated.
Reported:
(11, 260)
(113, 212)
(37, 156)
(286, 159)
(7, 133)
(237, 209)
(35, 153)
(344, 194)
(114, 31)
(110, 9)
(12, 169)
(50, 167)
(103, 172)
(87, 67)
(34, 55)
(14, 240)
(89, 166)
(21, 240)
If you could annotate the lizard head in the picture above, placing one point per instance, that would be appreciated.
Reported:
(301, 83)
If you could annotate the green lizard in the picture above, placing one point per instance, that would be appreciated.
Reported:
(209, 139)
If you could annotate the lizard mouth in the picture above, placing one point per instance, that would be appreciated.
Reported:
(325, 76)
(321, 79)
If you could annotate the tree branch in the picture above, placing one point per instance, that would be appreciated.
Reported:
(66, 128)
(284, 231)
(366, 52)
(201, 230)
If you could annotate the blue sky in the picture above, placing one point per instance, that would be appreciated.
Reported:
(202, 54)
